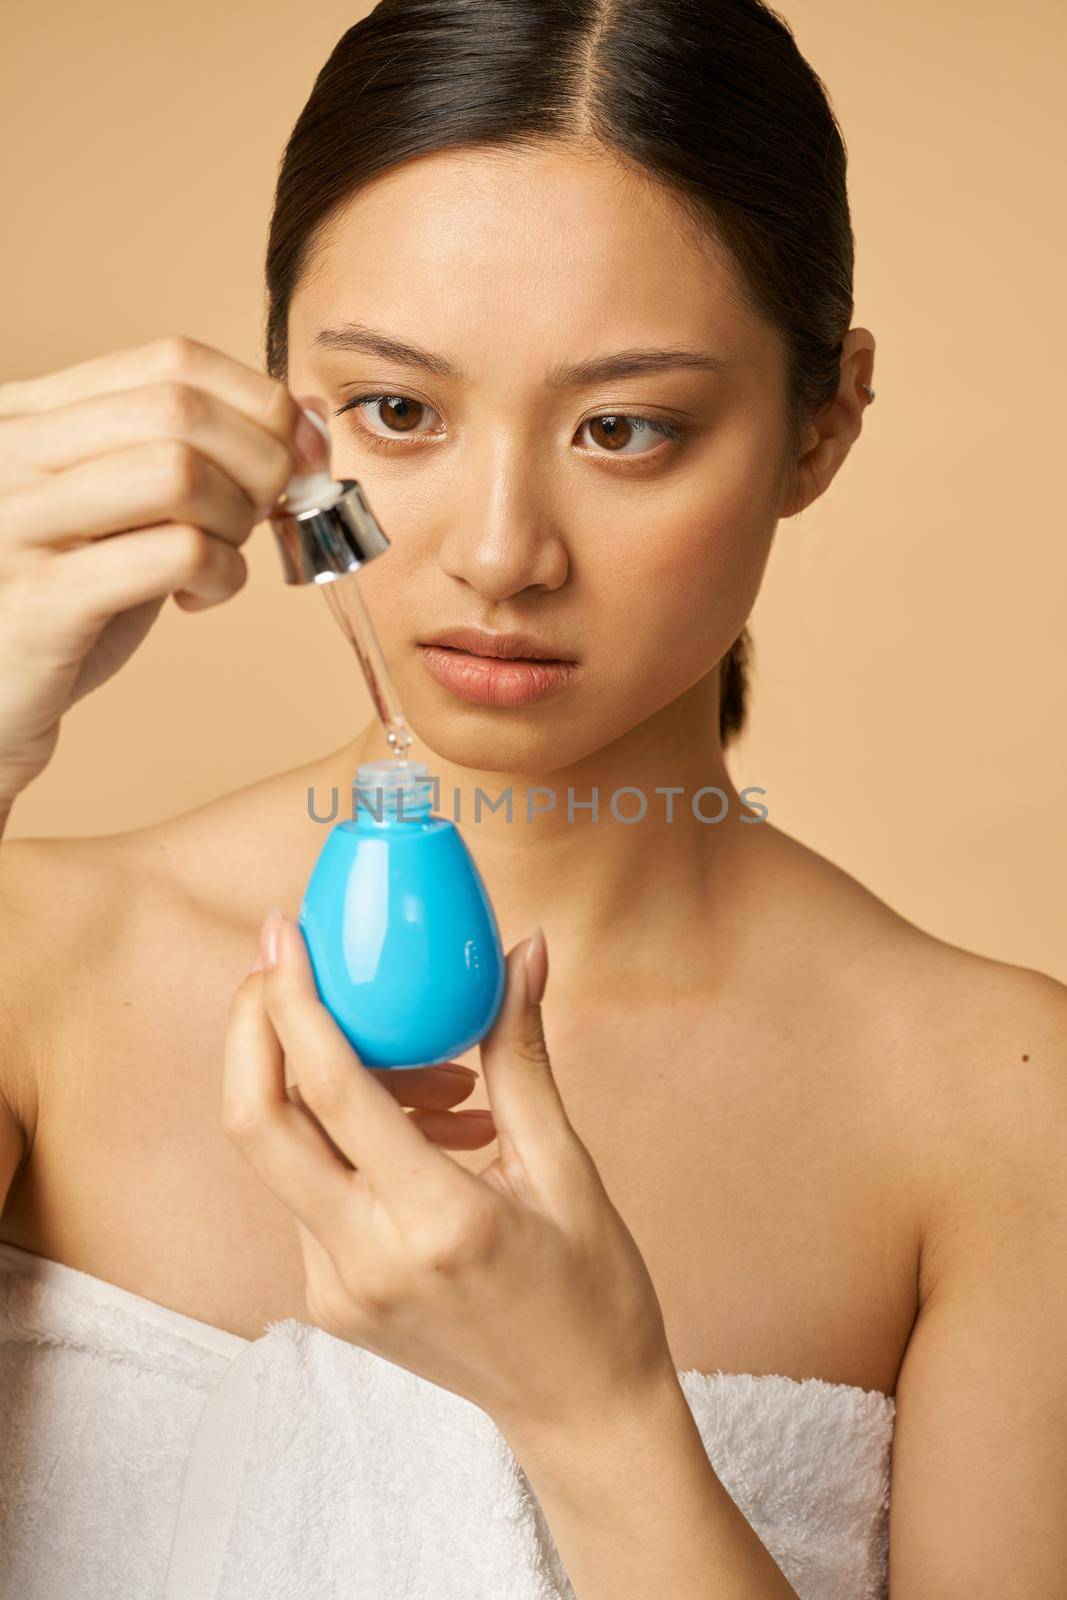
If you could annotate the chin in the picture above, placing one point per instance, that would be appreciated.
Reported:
(533, 741)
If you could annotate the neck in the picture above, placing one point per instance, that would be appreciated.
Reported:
(604, 890)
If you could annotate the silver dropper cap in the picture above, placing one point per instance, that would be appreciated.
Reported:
(327, 541)
(323, 526)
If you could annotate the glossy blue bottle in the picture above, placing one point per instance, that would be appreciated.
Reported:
(402, 935)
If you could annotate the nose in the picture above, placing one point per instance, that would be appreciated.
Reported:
(503, 534)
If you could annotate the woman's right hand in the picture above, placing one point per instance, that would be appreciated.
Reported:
(123, 479)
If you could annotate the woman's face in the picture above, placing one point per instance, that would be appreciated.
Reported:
(546, 464)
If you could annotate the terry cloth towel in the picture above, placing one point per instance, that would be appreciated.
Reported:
(147, 1454)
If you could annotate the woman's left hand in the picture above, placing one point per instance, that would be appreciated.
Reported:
(519, 1287)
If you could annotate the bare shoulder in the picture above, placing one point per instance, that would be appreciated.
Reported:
(63, 906)
(997, 1111)
(206, 859)
(78, 918)
(968, 1056)
(65, 901)
(947, 1006)
(982, 1386)
(47, 883)
(962, 1056)
(991, 1040)
(85, 923)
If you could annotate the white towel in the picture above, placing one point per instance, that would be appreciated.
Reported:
(299, 1467)
(344, 1475)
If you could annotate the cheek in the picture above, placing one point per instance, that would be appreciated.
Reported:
(696, 563)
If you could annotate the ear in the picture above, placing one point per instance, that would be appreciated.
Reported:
(830, 434)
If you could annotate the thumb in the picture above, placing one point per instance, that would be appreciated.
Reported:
(313, 438)
(516, 1068)
(312, 402)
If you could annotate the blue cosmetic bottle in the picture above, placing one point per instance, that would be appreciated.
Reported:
(402, 935)
(399, 927)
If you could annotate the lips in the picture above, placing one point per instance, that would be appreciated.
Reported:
(492, 681)
(497, 646)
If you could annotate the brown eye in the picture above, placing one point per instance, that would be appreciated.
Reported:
(613, 433)
(398, 414)
(620, 435)
(389, 417)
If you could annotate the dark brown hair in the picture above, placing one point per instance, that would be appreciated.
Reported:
(710, 97)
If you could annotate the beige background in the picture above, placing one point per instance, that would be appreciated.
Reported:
(908, 700)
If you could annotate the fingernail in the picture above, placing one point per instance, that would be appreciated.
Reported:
(312, 437)
(257, 965)
(535, 963)
(268, 937)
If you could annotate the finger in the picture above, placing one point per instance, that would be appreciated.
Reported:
(278, 1140)
(295, 1098)
(456, 1130)
(322, 1280)
(106, 576)
(170, 358)
(463, 1130)
(433, 1088)
(165, 480)
(253, 455)
(526, 1103)
(361, 1117)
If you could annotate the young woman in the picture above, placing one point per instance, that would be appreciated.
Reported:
(746, 1250)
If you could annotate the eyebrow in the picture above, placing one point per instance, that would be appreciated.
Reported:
(357, 337)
